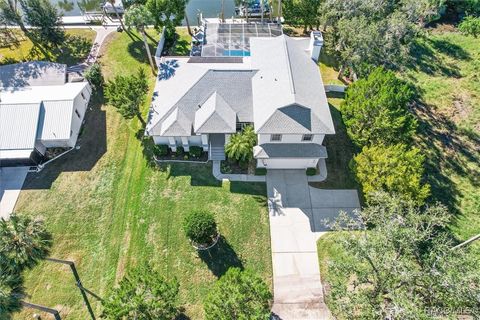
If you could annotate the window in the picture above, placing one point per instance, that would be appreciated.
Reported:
(83, 96)
(276, 137)
(307, 137)
(77, 113)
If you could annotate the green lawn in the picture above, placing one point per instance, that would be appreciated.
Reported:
(183, 43)
(74, 50)
(447, 74)
(109, 210)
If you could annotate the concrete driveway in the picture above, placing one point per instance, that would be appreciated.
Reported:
(297, 212)
(11, 182)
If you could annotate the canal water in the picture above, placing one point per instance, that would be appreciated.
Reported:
(209, 8)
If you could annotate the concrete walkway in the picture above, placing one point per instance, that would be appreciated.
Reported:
(296, 213)
(11, 182)
(253, 178)
(102, 33)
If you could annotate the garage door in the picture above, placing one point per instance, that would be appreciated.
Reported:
(289, 163)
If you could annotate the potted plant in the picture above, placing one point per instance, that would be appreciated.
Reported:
(201, 228)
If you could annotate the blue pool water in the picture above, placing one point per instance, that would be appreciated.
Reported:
(236, 53)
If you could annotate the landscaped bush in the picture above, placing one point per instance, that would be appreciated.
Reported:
(393, 169)
(470, 26)
(200, 227)
(195, 151)
(160, 150)
(260, 171)
(180, 151)
(238, 295)
(94, 76)
(311, 171)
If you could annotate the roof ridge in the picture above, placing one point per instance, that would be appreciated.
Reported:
(289, 65)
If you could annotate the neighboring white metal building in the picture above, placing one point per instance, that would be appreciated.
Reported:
(38, 110)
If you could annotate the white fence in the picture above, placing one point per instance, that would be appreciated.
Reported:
(161, 43)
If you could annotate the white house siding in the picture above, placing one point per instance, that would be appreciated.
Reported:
(192, 140)
(287, 163)
(290, 138)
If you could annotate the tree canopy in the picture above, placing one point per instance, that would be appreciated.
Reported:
(393, 169)
(143, 294)
(43, 15)
(23, 242)
(238, 295)
(375, 110)
(302, 13)
(167, 13)
(374, 32)
(397, 264)
(11, 291)
(128, 93)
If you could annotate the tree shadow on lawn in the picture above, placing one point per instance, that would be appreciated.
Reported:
(93, 142)
(136, 49)
(447, 149)
(425, 57)
(220, 258)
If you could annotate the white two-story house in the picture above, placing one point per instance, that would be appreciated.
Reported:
(273, 83)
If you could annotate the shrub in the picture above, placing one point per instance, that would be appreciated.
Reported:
(160, 150)
(200, 227)
(195, 151)
(225, 167)
(180, 151)
(311, 171)
(470, 26)
(238, 295)
(260, 171)
(94, 76)
(393, 169)
(142, 294)
(375, 110)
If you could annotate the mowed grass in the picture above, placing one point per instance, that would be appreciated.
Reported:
(75, 48)
(447, 75)
(109, 210)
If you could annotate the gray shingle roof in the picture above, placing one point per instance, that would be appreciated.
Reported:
(33, 73)
(289, 150)
(176, 124)
(215, 116)
(288, 84)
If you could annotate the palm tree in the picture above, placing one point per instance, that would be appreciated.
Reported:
(139, 16)
(186, 19)
(240, 146)
(11, 291)
(23, 242)
(112, 2)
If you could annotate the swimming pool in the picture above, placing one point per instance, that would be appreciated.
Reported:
(236, 53)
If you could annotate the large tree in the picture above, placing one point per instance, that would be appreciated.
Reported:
(127, 94)
(139, 17)
(398, 264)
(238, 295)
(374, 32)
(23, 242)
(393, 169)
(375, 110)
(143, 294)
(167, 13)
(302, 13)
(43, 16)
